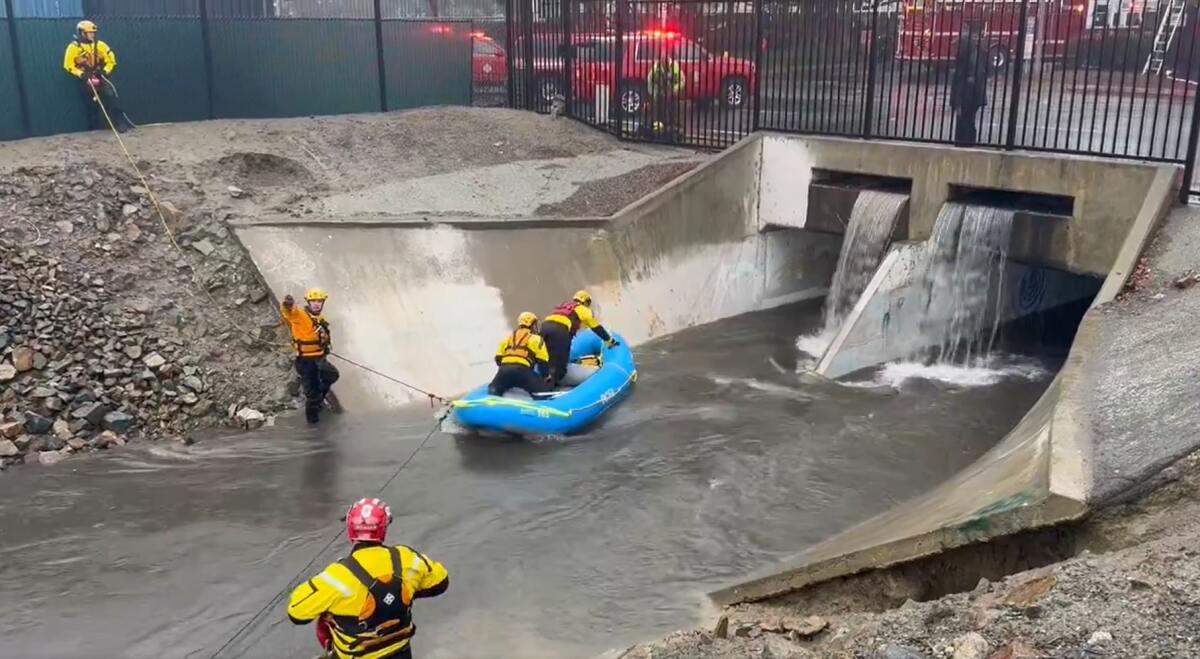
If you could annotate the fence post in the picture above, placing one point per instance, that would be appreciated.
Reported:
(568, 56)
(509, 42)
(758, 65)
(22, 95)
(1010, 140)
(616, 112)
(527, 52)
(206, 41)
(1189, 164)
(869, 102)
(379, 62)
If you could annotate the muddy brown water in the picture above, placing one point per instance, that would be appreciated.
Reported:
(722, 461)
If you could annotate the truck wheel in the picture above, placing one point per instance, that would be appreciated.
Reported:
(633, 97)
(547, 88)
(735, 92)
(999, 57)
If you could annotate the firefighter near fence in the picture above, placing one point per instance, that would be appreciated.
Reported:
(92, 62)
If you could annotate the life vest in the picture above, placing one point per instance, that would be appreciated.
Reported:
(518, 351)
(386, 619)
(564, 314)
(311, 341)
(89, 59)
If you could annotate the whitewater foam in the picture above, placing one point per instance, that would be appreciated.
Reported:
(982, 373)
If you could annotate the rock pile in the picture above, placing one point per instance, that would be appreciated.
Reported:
(103, 335)
(77, 364)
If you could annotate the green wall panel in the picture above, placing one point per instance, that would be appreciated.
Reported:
(261, 68)
(159, 74)
(288, 68)
(55, 102)
(10, 105)
(427, 63)
(160, 68)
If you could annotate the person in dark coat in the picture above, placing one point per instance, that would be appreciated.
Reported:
(968, 87)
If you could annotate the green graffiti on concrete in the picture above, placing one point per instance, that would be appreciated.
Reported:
(980, 521)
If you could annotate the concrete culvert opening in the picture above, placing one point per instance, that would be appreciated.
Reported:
(861, 181)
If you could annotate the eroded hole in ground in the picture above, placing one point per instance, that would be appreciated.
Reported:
(952, 571)
(261, 170)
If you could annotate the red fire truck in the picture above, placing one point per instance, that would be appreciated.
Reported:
(929, 29)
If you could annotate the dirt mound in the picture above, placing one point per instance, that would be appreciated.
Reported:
(607, 196)
(254, 170)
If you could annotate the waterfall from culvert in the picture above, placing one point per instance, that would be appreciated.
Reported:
(964, 281)
(872, 222)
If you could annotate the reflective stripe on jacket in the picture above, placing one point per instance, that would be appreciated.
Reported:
(572, 314)
(310, 333)
(661, 81)
(83, 58)
(368, 597)
(522, 347)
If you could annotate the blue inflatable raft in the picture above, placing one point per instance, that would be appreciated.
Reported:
(560, 412)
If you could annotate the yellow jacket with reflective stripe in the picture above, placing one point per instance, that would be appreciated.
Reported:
(586, 318)
(533, 345)
(665, 79)
(306, 330)
(89, 56)
(336, 591)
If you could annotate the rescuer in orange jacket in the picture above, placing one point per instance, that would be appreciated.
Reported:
(517, 356)
(362, 604)
(561, 326)
(310, 334)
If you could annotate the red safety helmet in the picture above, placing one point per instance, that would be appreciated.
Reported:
(367, 520)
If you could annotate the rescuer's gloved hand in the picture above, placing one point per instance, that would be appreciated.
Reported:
(288, 301)
(612, 343)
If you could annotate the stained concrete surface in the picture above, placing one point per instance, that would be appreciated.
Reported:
(690, 254)
(1145, 409)
(1107, 195)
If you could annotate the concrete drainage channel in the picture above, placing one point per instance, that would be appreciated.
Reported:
(752, 229)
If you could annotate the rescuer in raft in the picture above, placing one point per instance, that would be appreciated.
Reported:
(561, 326)
(517, 356)
(363, 603)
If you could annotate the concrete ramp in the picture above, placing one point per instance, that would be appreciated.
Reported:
(427, 301)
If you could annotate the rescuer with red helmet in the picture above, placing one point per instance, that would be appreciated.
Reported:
(363, 603)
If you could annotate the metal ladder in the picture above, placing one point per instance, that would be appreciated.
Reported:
(1165, 35)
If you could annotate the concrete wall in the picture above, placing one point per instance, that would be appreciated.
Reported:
(1108, 194)
(428, 301)
(1040, 474)
(891, 318)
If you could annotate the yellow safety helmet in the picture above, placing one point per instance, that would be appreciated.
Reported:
(584, 298)
(85, 27)
(527, 319)
(316, 295)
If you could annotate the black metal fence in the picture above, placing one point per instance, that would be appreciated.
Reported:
(1107, 78)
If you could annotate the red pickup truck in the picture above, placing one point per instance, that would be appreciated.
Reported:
(707, 77)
